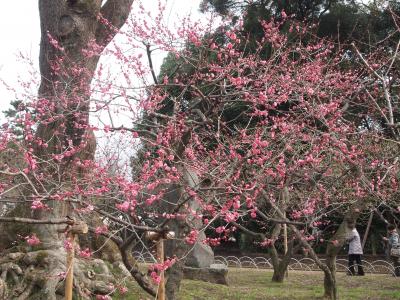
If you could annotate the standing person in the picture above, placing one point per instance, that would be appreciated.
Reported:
(355, 252)
(394, 243)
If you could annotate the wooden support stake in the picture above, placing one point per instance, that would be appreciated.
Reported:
(69, 280)
(285, 243)
(72, 231)
(158, 239)
(285, 199)
(160, 258)
(371, 216)
(285, 238)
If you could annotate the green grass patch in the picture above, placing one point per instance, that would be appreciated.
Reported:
(250, 284)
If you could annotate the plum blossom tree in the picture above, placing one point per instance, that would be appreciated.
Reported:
(291, 151)
(290, 134)
(74, 34)
(240, 137)
(375, 113)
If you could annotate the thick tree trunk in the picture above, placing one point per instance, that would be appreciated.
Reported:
(280, 265)
(67, 28)
(280, 269)
(330, 287)
(175, 200)
(279, 273)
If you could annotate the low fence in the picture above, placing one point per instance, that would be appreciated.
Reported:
(303, 264)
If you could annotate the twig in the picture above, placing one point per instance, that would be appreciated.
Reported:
(35, 221)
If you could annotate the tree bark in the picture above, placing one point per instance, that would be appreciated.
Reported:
(330, 287)
(327, 271)
(131, 264)
(335, 244)
(279, 273)
(280, 270)
(177, 247)
(279, 264)
(67, 29)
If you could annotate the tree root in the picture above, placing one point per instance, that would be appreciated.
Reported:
(40, 275)
(3, 289)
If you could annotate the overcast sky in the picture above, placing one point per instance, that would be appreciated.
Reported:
(20, 32)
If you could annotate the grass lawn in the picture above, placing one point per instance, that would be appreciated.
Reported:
(255, 284)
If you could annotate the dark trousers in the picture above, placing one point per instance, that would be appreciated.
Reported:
(357, 259)
(396, 265)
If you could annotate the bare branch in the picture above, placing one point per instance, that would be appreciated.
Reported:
(153, 74)
(138, 131)
(140, 278)
(34, 221)
(248, 231)
(278, 221)
(117, 220)
(108, 235)
(385, 86)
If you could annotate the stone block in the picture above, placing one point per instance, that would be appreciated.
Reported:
(216, 273)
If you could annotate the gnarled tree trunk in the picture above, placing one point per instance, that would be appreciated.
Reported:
(280, 265)
(68, 28)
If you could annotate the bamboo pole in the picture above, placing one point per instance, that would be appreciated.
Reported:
(371, 216)
(78, 227)
(285, 238)
(285, 243)
(70, 267)
(160, 258)
(158, 239)
(285, 199)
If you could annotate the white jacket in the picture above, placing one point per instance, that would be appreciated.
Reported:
(354, 242)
